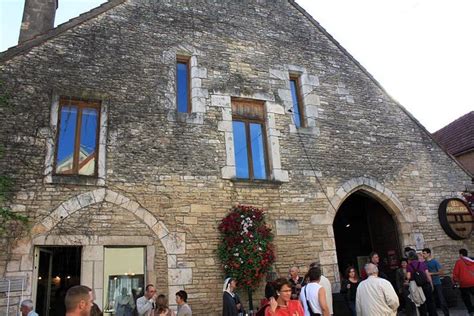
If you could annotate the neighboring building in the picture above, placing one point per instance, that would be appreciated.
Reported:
(134, 127)
(458, 139)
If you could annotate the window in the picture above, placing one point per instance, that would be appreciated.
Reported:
(248, 121)
(77, 137)
(298, 114)
(183, 95)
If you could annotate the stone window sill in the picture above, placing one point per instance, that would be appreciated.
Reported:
(255, 183)
(77, 180)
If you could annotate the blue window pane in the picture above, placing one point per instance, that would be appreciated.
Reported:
(296, 107)
(87, 154)
(66, 140)
(240, 150)
(258, 151)
(182, 86)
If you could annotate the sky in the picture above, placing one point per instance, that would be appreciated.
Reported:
(420, 51)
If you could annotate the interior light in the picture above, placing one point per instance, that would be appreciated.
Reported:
(39, 278)
(58, 278)
(348, 225)
(68, 277)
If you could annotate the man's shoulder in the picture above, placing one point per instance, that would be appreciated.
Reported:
(141, 298)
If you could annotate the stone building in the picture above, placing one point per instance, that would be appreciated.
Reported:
(132, 129)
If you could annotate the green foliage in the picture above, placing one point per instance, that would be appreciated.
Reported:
(246, 249)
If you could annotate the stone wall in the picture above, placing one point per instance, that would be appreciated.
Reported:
(166, 173)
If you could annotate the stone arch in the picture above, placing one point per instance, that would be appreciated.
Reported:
(173, 243)
(403, 217)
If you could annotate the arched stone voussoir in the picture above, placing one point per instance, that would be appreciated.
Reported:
(373, 188)
(84, 200)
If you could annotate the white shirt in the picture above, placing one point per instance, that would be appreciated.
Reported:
(312, 289)
(32, 313)
(376, 296)
(145, 306)
(326, 284)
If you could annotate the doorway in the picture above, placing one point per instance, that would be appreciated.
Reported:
(58, 269)
(363, 225)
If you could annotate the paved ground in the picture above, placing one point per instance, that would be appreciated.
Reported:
(458, 311)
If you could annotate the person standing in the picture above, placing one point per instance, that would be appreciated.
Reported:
(463, 275)
(414, 265)
(313, 295)
(374, 258)
(182, 301)
(78, 301)
(435, 270)
(375, 295)
(27, 308)
(283, 305)
(124, 304)
(146, 303)
(349, 288)
(229, 305)
(296, 282)
(326, 284)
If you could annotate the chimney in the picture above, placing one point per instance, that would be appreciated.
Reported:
(38, 18)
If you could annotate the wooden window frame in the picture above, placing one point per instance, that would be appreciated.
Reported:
(80, 104)
(247, 121)
(184, 60)
(297, 79)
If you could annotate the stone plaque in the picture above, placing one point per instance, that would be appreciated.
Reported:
(287, 227)
(456, 218)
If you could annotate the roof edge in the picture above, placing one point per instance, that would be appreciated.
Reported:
(366, 72)
(39, 39)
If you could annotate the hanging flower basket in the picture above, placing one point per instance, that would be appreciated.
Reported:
(246, 249)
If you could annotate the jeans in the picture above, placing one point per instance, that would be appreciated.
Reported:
(466, 293)
(430, 303)
(438, 292)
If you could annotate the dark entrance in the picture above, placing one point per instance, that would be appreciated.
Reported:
(363, 225)
(59, 268)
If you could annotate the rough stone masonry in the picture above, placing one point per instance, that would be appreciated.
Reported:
(165, 178)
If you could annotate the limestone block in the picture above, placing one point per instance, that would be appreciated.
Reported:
(220, 100)
(312, 99)
(327, 257)
(172, 289)
(422, 218)
(329, 244)
(312, 111)
(93, 253)
(190, 220)
(225, 126)
(99, 195)
(13, 266)
(226, 114)
(287, 227)
(160, 230)
(198, 72)
(180, 276)
(21, 246)
(297, 69)
(149, 219)
(121, 200)
(285, 95)
(98, 275)
(199, 105)
(196, 82)
(281, 175)
(199, 93)
(86, 199)
(110, 196)
(279, 74)
(228, 172)
(175, 243)
(87, 273)
(209, 261)
(330, 230)
(172, 261)
(59, 214)
(71, 205)
(310, 80)
(200, 208)
(276, 108)
(322, 219)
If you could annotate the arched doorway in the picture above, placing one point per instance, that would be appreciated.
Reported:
(363, 225)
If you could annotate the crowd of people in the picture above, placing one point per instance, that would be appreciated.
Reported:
(417, 285)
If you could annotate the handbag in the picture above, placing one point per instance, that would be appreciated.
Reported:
(419, 277)
(311, 313)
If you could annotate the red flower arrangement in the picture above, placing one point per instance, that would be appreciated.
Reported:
(246, 249)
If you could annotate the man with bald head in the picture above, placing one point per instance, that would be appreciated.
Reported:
(296, 282)
(376, 296)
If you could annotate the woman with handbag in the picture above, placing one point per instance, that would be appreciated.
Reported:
(421, 288)
(349, 288)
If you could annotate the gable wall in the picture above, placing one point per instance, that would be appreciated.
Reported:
(171, 165)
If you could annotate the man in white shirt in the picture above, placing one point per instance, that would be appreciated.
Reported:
(26, 308)
(146, 303)
(376, 296)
